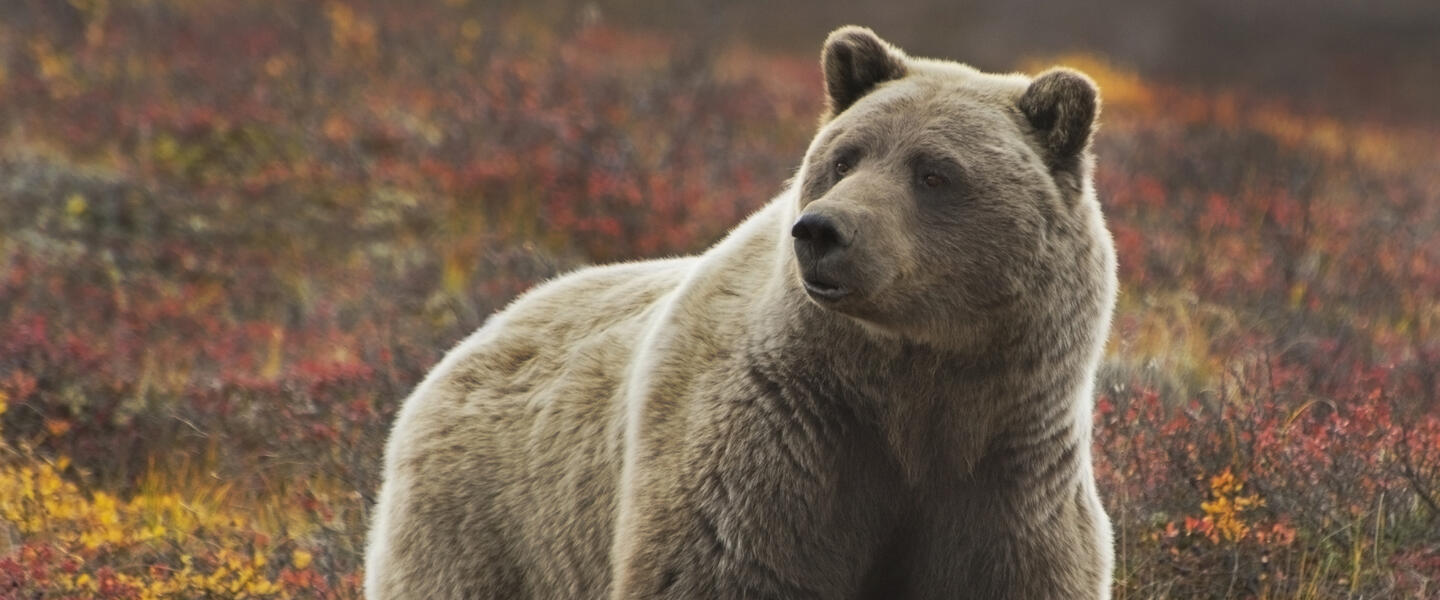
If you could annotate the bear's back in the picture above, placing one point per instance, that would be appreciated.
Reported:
(520, 429)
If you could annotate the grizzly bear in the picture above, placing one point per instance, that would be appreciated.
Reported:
(877, 386)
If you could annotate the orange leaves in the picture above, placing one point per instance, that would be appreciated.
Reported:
(1223, 517)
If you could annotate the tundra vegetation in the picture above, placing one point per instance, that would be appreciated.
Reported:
(234, 235)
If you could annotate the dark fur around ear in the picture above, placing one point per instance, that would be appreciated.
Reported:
(855, 60)
(1062, 105)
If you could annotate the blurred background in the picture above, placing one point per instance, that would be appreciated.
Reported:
(1375, 58)
(234, 235)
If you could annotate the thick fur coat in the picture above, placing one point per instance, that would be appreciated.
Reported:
(878, 386)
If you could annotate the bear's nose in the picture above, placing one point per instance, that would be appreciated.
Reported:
(819, 233)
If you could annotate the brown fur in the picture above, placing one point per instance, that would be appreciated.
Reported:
(704, 427)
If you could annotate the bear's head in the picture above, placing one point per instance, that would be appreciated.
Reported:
(937, 199)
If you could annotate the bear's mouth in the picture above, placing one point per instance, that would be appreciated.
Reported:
(821, 289)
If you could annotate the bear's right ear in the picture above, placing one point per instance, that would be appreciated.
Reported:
(855, 61)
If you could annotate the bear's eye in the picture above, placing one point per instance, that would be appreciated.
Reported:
(933, 180)
(842, 167)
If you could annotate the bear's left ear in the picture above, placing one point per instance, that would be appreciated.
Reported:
(1062, 105)
(856, 60)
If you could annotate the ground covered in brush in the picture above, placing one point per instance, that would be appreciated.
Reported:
(236, 234)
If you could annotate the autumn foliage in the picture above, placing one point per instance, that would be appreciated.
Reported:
(236, 234)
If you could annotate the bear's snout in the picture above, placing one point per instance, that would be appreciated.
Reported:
(818, 233)
(821, 243)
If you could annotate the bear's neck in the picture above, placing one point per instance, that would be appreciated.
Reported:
(942, 412)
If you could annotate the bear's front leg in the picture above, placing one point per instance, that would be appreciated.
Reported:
(1014, 546)
(752, 501)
